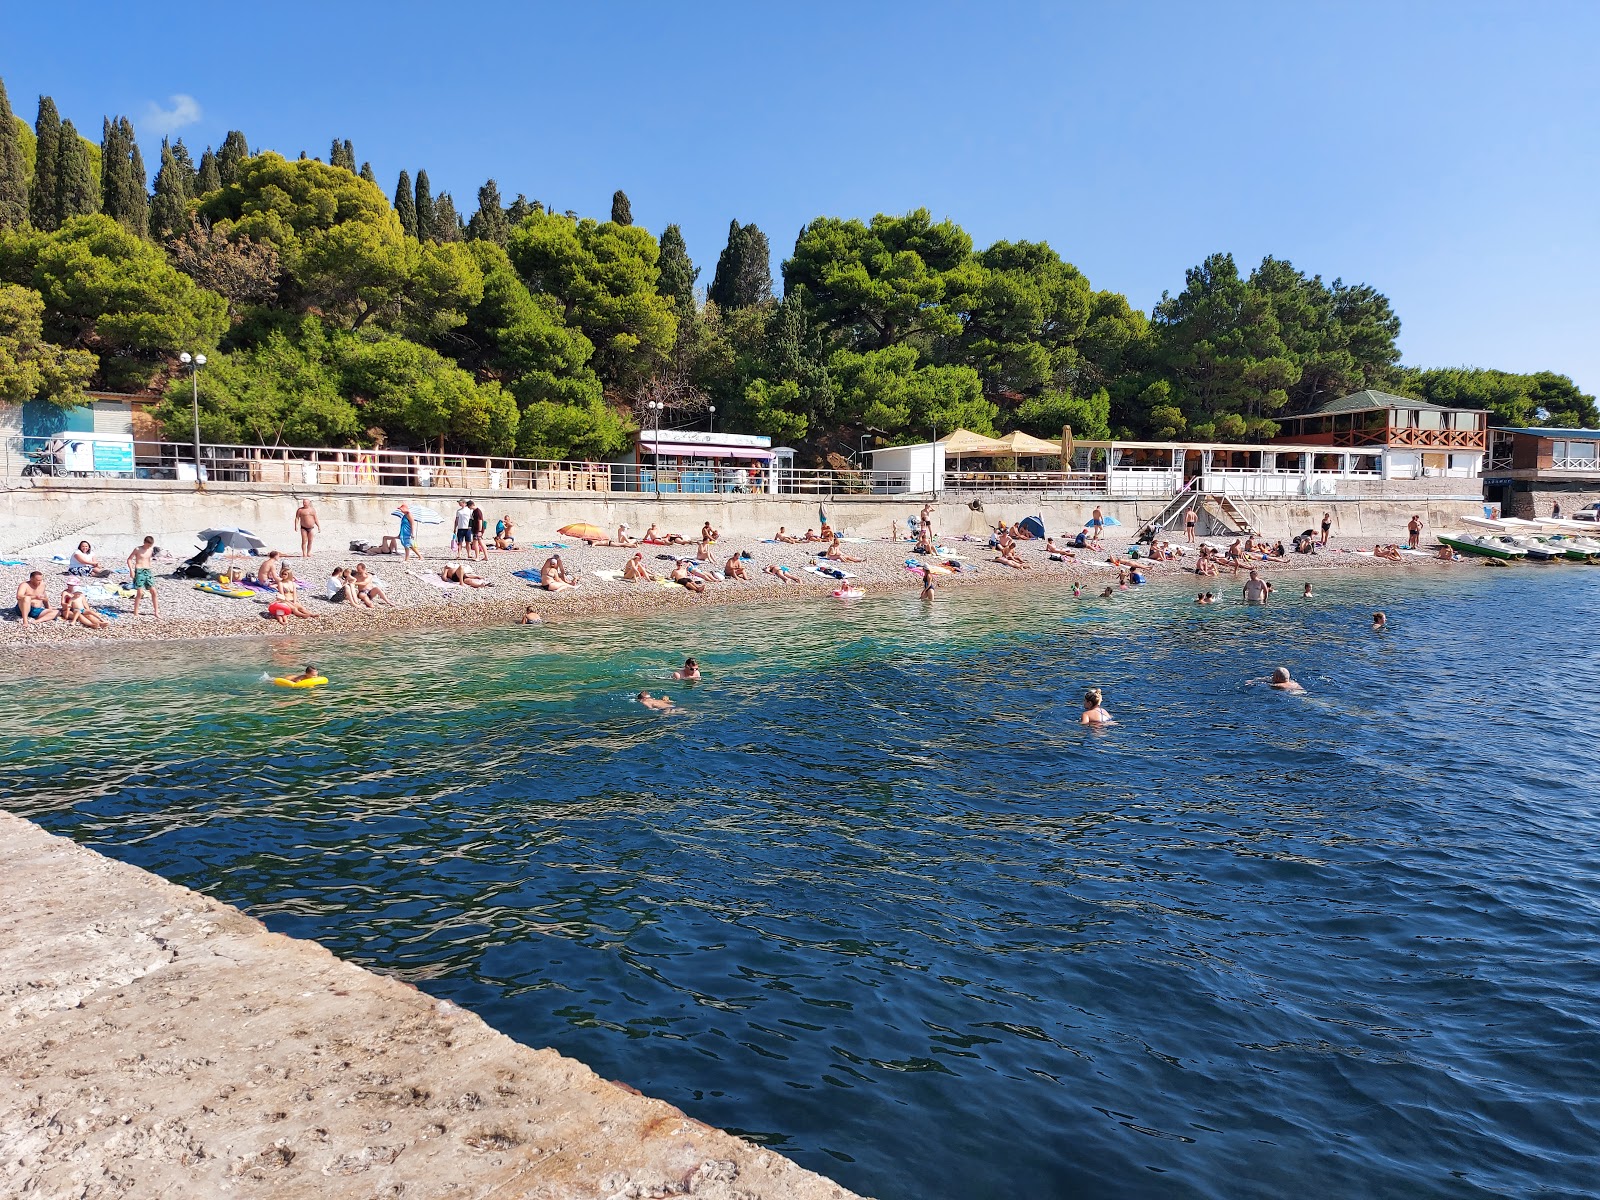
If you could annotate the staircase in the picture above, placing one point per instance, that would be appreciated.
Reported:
(1174, 509)
(1237, 513)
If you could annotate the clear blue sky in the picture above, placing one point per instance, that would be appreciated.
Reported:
(1446, 153)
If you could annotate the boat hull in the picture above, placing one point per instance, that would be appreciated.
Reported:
(1478, 550)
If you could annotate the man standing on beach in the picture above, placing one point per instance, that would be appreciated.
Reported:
(1189, 524)
(305, 520)
(1097, 522)
(1414, 532)
(140, 566)
(461, 540)
(1255, 589)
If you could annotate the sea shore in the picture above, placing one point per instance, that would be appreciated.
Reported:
(419, 604)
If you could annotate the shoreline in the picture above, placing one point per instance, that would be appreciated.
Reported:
(193, 616)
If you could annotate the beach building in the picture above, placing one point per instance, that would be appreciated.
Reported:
(705, 462)
(101, 438)
(1532, 470)
(1411, 439)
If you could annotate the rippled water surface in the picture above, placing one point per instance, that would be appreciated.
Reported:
(878, 901)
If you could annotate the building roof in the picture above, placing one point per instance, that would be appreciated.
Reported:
(1569, 435)
(1366, 401)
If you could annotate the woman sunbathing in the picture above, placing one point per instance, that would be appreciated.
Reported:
(782, 573)
(634, 568)
(457, 573)
(83, 562)
(281, 609)
(835, 554)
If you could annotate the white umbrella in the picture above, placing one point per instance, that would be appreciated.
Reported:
(232, 539)
(422, 515)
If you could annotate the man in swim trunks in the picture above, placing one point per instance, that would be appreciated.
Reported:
(1255, 589)
(140, 566)
(784, 536)
(33, 600)
(1097, 522)
(462, 536)
(1414, 532)
(305, 520)
(659, 704)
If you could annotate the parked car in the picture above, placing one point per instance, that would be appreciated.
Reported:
(1589, 513)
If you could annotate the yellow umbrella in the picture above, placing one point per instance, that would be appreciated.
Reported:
(1025, 445)
(584, 532)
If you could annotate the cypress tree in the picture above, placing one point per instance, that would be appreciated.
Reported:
(621, 210)
(210, 177)
(139, 196)
(520, 210)
(678, 273)
(234, 151)
(169, 213)
(42, 210)
(13, 170)
(744, 269)
(75, 191)
(447, 225)
(343, 154)
(122, 177)
(186, 171)
(489, 223)
(424, 207)
(405, 204)
(366, 173)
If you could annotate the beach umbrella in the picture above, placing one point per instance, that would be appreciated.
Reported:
(232, 539)
(422, 515)
(1034, 525)
(584, 532)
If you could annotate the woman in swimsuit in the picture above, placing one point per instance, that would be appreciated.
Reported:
(1093, 713)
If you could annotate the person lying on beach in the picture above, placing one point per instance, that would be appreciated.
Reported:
(368, 587)
(622, 539)
(653, 537)
(634, 569)
(83, 562)
(75, 609)
(681, 573)
(1009, 557)
(553, 575)
(834, 553)
(1391, 552)
(734, 569)
(530, 617)
(1050, 547)
(389, 544)
(662, 703)
(1281, 682)
(284, 607)
(811, 536)
(785, 536)
(689, 670)
(457, 573)
(1093, 712)
(782, 573)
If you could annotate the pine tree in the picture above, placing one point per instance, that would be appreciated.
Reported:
(366, 173)
(42, 209)
(621, 210)
(139, 197)
(343, 154)
(234, 151)
(744, 269)
(13, 170)
(405, 204)
(169, 212)
(186, 171)
(678, 273)
(521, 210)
(75, 191)
(210, 177)
(489, 223)
(424, 207)
(447, 226)
(122, 177)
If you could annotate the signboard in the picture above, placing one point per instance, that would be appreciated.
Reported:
(703, 438)
(113, 456)
(1498, 481)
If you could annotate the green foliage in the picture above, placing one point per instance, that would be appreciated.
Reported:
(604, 277)
(240, 269)
(169, 211)
(1513, 399)
(414, 392)
(447, 226)
(776, 409)
(677, 272)
(231, 158)
(523, 339)
(42, 209)
(572, 431)
(279, 201)
(368, 174)
(405, 204)
(122, 177)
(520, 210)
(342, 155)
(489, 223)
(77, 194)
(1044, 415)
(621, 210)
(110, 292)
(32, 368)
(887, 390)
(423, 203)
(210, 177)
(744, 269)
(13, 168)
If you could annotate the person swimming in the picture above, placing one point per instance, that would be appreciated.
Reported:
(309, 673)
(1093, 712)
(689, 670)
(1379, 622)
(1281, 681)
(662, 703)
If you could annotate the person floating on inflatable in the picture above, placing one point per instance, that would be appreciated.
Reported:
(306, 679)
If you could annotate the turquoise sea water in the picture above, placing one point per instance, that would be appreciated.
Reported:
(878, 901)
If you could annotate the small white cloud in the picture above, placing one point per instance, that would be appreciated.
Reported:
(184, 110)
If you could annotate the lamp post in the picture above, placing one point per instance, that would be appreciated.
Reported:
(713, 425)
(655, 407)
(194, 362)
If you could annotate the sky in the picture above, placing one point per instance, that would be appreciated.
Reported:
(1447, 154)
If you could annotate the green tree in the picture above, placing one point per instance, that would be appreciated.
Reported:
(424, 206)
(32, 368)
(238, 268)
(342, 155)
(604, 276)
(231, 158)
(621, 210)
(110, 292)
(414, 392)
(210, 177)
(169, 211)
(677, 272)
(405, 204)
(1045, 415)
(122, 177)
(186, 168)
(886, 389)
(13, 169)
(744, 269)
(76, 192)
(43, 203)
(447, 226)
(520, 210)
(368, 174)
(280, 201)
(1514, 399)
(1023, 312)
(489, 223)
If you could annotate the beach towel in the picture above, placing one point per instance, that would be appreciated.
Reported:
(434, 580)
(608, 576)
(545, 546)
(529, 574)
(936, 568)
(829, 572)
(12, 562)
(105, 610)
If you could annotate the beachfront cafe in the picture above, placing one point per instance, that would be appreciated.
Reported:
(703, 463)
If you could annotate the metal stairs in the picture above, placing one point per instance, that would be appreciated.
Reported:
(1236, 512)
(1178, 505)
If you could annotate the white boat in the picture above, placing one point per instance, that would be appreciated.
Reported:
(1482, 545)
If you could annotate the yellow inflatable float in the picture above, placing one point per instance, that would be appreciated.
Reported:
(314, 681)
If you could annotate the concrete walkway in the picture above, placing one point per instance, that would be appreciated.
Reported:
(156, 1043)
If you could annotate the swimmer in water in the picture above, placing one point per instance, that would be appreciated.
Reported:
(662, 703)
(1108, 593)
(1093, 713)
(1306, 595)
(689, 670)
(1379, 622)
(1282, 683)
(309, 673)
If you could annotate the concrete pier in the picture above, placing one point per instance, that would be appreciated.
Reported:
(157, 1043)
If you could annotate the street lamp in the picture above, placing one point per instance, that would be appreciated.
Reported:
(194, 362)
(713, 426)
(655, 407)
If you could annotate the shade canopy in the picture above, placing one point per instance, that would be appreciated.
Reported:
(964, 442)
(1026, 445)
(701, 450)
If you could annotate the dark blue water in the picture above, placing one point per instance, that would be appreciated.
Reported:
(877, 900)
